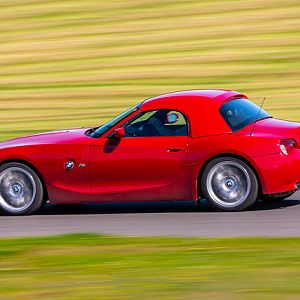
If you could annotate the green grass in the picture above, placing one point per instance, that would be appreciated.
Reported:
(78, 63)
(101, 267)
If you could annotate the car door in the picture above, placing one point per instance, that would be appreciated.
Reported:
(148, 158)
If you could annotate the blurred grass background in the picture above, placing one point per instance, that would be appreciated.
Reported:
(79, 63)
(99, 267)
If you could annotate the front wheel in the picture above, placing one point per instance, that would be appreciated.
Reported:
(21, 190)
(229, 184)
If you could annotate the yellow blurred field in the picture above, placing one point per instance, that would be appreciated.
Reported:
(79, 63)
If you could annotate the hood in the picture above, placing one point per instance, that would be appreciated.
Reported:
(52, 137)
(278, 128)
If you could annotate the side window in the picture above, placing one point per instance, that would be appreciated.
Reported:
(163, 122)
(143, 118)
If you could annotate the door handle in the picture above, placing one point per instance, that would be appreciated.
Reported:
(175, 149)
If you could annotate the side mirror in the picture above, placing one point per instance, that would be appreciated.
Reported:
(119, 133)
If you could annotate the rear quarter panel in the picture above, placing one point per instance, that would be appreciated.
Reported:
(262, 153)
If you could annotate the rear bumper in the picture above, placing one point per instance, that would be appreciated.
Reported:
(278, 173)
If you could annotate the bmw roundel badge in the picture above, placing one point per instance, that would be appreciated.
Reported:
(69, 165)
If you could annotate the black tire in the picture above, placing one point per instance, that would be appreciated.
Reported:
(229, 184)
(277, 197)
(21, 190)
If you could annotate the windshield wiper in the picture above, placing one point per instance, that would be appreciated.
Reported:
(92, 132)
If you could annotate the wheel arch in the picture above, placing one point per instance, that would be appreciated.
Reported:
(230, 155)
(31, 166)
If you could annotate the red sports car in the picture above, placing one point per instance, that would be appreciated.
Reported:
(201, 144)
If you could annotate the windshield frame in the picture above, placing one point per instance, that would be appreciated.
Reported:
(101, 130)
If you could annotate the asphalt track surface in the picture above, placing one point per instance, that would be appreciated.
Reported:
(159, 219)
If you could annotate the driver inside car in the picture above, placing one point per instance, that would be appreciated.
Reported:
(162, 123)
(158, 125)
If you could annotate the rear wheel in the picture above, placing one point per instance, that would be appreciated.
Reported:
(229, 184)
(21, 190)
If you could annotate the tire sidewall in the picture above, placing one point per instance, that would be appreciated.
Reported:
(272, 198)
(254, 188)
(38, 200)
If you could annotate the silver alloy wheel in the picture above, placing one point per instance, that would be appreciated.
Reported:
(17, 189)
(228, 184)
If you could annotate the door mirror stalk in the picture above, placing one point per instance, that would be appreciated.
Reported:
(119, 133)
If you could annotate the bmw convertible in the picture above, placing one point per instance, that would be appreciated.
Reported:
(191, 145)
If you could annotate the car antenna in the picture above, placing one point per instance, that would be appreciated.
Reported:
(253, 127)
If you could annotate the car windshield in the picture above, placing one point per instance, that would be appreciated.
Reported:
(239, 113)
(102, 129)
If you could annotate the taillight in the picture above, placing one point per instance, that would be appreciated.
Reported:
(286, 146)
